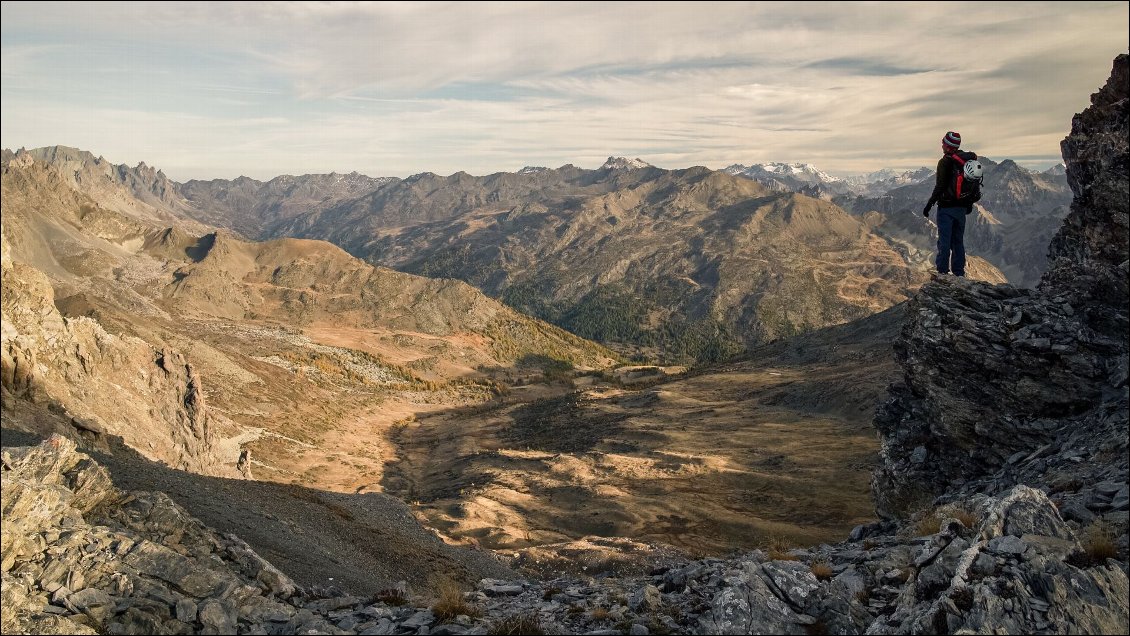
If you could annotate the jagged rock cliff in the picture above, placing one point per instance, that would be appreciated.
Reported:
(1003, 383)
(94, 383)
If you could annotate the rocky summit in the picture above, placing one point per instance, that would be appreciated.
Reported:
(1005, 385)
(1001, 483)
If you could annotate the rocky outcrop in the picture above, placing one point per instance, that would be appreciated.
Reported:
(993, 375)
(1003, 384)
(94, 383)
(141, 192)
(1088, 256)
(81, 557)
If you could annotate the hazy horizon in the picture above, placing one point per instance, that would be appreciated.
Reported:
(483, 174)
(205, 91)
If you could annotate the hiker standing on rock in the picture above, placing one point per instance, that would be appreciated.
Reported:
(958, 187)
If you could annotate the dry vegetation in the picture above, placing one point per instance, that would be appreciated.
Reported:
(450, 603)
(517, 624)
(777, 549)
(929, 521)
(822, 570)
(1099, 543)
(392, 596)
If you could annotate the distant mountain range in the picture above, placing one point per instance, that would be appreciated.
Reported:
(803, 178)
(1015, 221)
(691, 264)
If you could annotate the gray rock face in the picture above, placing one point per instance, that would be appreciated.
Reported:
(1026, 585)
(1005, 385)
(137, 562)
(746, 605)
(1094, 235)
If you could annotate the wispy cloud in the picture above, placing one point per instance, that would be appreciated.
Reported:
(219, 89)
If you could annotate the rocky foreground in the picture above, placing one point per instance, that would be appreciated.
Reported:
(1003, 484)
(83, 557)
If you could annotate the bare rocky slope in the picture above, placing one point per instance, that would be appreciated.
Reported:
(252, 207)
(193, 347)
(1003, 479)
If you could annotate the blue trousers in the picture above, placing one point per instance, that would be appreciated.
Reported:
(951, 241)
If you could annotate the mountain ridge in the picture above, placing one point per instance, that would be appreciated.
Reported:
(467, 227)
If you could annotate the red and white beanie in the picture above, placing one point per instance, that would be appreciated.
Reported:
(952, 140)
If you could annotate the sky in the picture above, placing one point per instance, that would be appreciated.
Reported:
(207, 91)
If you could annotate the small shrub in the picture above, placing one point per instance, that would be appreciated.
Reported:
(600, 614)
(930, 523)
(967, 518)
(1098, 544)
(451, 604)
(777, 543)
(822, 570)
(777, 548)
(550, 592)
(517, 624)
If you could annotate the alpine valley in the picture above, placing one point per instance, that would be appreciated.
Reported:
(614, 400)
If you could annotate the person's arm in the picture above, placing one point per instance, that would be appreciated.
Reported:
(943, 181)
(939, 186)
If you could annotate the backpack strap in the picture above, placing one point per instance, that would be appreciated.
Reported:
(960, 174)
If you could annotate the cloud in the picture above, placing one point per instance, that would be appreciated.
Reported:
(394, 88)
(861, 66)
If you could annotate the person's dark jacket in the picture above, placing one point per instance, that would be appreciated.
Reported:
(941, 194)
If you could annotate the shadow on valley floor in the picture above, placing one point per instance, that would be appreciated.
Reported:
(774, 447)
(359, 543)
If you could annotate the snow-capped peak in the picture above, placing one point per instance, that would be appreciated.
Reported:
(624, 163)
(533, 170)
(890, 177)
(802, 171)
